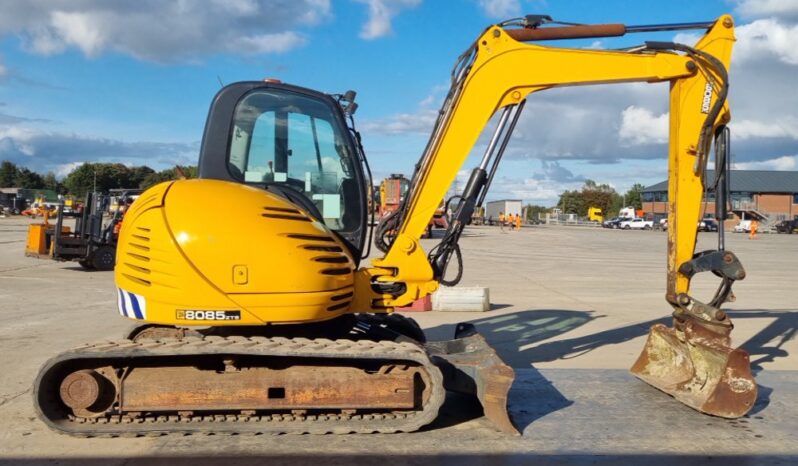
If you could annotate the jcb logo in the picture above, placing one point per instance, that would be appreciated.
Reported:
(707, 97)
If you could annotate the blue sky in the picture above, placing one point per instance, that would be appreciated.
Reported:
(96, 80)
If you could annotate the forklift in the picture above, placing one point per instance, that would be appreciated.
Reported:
(91, 244)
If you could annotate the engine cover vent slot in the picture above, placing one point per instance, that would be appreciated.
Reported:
(316, 247)
(339, 306)
(322, 238)
(332, 259)
(284, 210)
(138, 257)
(337, 271)
(143, 270)
(136, 279)
(286, 217)
(339, 297)
(140, 247)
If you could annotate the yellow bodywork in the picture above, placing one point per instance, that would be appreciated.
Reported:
(595, 214)
(39, 238)
(204, 248)
(36, 243)
(206, 245)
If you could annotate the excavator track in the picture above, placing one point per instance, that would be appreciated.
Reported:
(63, 380)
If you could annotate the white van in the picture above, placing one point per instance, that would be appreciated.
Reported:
(743, 227)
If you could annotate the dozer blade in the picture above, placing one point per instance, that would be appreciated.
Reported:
(470, 365)
(697, 367)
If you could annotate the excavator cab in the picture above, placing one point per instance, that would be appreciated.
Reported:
(293, 142)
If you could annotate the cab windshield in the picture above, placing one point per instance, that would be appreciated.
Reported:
(293, 141)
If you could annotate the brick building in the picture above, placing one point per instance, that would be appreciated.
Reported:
(766, 196)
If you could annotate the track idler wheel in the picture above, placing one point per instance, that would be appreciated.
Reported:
(699, 368)
(86, 392)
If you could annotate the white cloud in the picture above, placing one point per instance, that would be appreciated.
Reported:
(501, 9)
(764, 38)
(760, 8)
(641, 126)
(760, 40)
(786, 162)
(41, 150)
(745, 129)
(271, 43)
(530, 190)
(82, 30)
(420, 122)
(160, 30)
(380, 15)
(65, 169)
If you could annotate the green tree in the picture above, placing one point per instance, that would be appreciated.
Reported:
(28, 179)
(616, 206)
(534, 212)
(138, 175)
(571, 202)
(191, 171)
(157, 177)
(592, 194)
(50, 182)
(8, 173)
(167, 175)
(102, 176)
(634, 196)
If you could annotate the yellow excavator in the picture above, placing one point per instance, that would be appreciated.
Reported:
(260, 316)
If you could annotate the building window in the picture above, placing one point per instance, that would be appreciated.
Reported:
(795, 198)
(649, 197)
(742, 201)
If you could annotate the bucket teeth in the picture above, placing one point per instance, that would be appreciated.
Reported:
(697, 367)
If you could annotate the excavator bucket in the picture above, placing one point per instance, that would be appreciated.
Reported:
(698, 367)
(470, 365)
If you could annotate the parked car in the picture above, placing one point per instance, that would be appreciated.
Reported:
(743, 227)
(707, 224)
(787, 226)
(612, 223)
(637, 224)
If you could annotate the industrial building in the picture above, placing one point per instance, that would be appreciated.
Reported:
(762, 195)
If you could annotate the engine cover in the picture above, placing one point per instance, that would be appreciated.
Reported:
(210, 252)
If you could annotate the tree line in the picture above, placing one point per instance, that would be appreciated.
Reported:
(591, 194)
(602, 196)
(89, 177)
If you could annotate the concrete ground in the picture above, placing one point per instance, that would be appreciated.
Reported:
(571, 308)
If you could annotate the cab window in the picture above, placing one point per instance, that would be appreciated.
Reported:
(285, 138)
